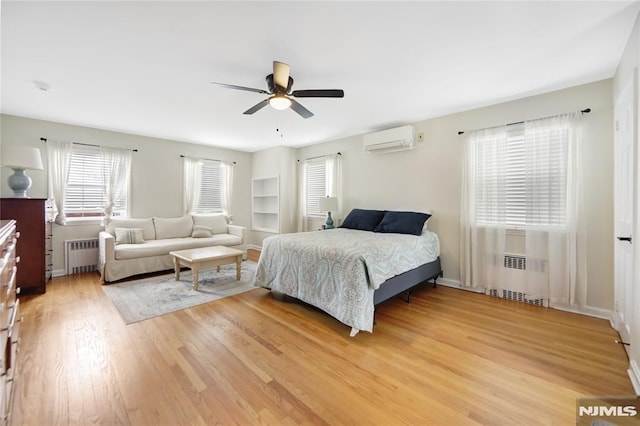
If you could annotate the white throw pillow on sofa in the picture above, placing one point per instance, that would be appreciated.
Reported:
(129, 236)
(217, 222)
(148, 231)
(173, 227)
(200, 231)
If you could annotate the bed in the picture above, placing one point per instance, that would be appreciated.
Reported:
(349, 270)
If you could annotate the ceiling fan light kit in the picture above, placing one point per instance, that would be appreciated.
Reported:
(279, 84)
(279, 102)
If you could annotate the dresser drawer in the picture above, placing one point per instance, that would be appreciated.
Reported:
(13, 338)
(10, 357)
(9, 299)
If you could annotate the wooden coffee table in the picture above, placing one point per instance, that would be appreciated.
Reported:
(206, 257)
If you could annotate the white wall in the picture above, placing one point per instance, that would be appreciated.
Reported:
(627, 68)
(156, 172)
(429, 176)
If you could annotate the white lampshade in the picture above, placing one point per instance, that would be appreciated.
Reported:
(328, 204)
(22, 157)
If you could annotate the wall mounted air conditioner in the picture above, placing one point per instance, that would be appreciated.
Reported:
(390, 140)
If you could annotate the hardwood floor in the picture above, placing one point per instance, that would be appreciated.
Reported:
(448, 358)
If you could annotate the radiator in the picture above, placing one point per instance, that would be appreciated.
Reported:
(80, 256)
(516, 265)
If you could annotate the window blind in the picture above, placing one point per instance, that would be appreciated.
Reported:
(521, 178)
(212, 187)
(315, 185)
(86, 182)
(547, 180)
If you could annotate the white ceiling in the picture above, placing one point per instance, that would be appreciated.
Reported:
(145, 67)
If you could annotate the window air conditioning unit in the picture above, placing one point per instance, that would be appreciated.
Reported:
(390, 140)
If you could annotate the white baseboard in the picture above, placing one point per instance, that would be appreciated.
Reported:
(448, 282)
(58, 273)
(587, 310)
(254, 247)
(634, 375)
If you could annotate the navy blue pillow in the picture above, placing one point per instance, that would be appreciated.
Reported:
(363, 220)
(402, 223)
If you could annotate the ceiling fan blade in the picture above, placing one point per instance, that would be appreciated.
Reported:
(257, 107)
(281, 74)
(318, 93)
(304, 113)
(246, 89)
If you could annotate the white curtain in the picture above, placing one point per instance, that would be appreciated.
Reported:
(334, 183)
(58, 155)
(302, 201)
(554, 173)
(116, 174)
(482, 219)
(192, 168)
(546, 229)
(227, 172)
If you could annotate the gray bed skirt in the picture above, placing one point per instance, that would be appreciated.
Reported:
(407, 280)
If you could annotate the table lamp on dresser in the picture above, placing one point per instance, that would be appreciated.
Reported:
(21, 158)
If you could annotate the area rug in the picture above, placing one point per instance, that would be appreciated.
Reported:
(146, 298)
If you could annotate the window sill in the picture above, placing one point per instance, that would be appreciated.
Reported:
(82, 221)
(511, 230)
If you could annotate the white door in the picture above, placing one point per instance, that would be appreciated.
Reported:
(623, 212)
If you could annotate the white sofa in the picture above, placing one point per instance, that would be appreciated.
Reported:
(136, 246)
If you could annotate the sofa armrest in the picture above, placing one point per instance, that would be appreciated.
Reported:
(106, 252)
(106, 247)
(239, 231)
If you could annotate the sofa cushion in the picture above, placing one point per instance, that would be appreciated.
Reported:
(200, 231)
(163, 247)
(217, 222)
(148, 230)
(173, 227)
(129, 236)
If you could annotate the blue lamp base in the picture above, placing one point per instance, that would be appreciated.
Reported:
(329, 223)
(19, 182)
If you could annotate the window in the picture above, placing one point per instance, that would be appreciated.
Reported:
(520, 176)
(211, 192)
(319, 177)
(207, 186)
(315, 185)
(89, 171)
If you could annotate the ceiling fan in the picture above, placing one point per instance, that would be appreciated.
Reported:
(279, 84)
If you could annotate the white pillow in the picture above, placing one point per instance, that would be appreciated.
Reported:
(129, 235)
(200, 231)
(217, 223)
(148, 231)
(173, 227)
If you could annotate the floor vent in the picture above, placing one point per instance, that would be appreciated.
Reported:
(81, 256)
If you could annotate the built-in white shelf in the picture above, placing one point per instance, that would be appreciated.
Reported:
(265, 204)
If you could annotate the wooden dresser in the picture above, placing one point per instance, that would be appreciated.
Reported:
(9, 315)
(35, 241)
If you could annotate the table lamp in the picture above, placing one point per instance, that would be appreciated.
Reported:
(21, 158)
(329, 204)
